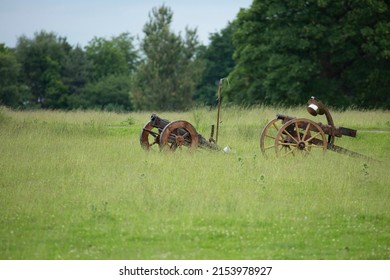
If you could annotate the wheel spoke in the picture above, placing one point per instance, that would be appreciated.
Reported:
(270, 136)
(281, 139)
(314, 136)
(269, 147)
(172, 137)
(289, 152)
(306, 131)
(297, 130)
(287, 144)
(149, 136)
(288, 133)
(151, 132)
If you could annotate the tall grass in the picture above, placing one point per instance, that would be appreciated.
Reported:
(77, 185)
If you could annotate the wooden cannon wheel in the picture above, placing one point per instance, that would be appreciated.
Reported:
(178, 134)
(149, 136)
(268, 135)
(299, 136)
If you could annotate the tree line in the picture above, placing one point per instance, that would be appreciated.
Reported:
(275, 52)
(336, 50)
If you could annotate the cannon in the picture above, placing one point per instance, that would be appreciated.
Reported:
(180, 134)
(286, 135)
(169, 135)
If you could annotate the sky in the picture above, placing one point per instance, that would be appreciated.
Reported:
(82, 20)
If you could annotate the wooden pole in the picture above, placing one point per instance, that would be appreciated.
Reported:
(219, 109)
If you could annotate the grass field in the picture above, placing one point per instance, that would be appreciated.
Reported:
(77, 185)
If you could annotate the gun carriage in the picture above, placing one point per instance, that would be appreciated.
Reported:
(286, 135)
(178, 134)
(172, 135)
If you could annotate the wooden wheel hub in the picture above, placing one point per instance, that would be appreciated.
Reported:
(299, 136)
(301, 145)
(179, 134)
(179, 139)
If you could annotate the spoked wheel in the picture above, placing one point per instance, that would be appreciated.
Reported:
(299, 136)
(268, 136)
(179, 134)
(149, 136)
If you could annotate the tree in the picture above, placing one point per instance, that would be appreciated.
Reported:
(218, 59)
(167, 76)
(42, 62)
(112, 57)
(112, 64)
(77, 71)
(287, 51)
(110, 93)
(10, 90)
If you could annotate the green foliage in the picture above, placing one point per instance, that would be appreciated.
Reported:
(167, 76)
(77, 71)
(59, 76)
(110, 93)
(275, 52)
(336, 50)
(112, 57)
(11, 93)
(42, 60)
(218, 59)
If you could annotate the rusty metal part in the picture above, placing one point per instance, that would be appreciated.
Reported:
(208, 145)
(284, 118)
(156, 121)
(211, 139)
(345, 131)
(299, 136)
(341, 150)
(314, 107)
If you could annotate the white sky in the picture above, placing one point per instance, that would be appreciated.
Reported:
(81, 20)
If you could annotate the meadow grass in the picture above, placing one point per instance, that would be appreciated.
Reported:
(77, 185)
